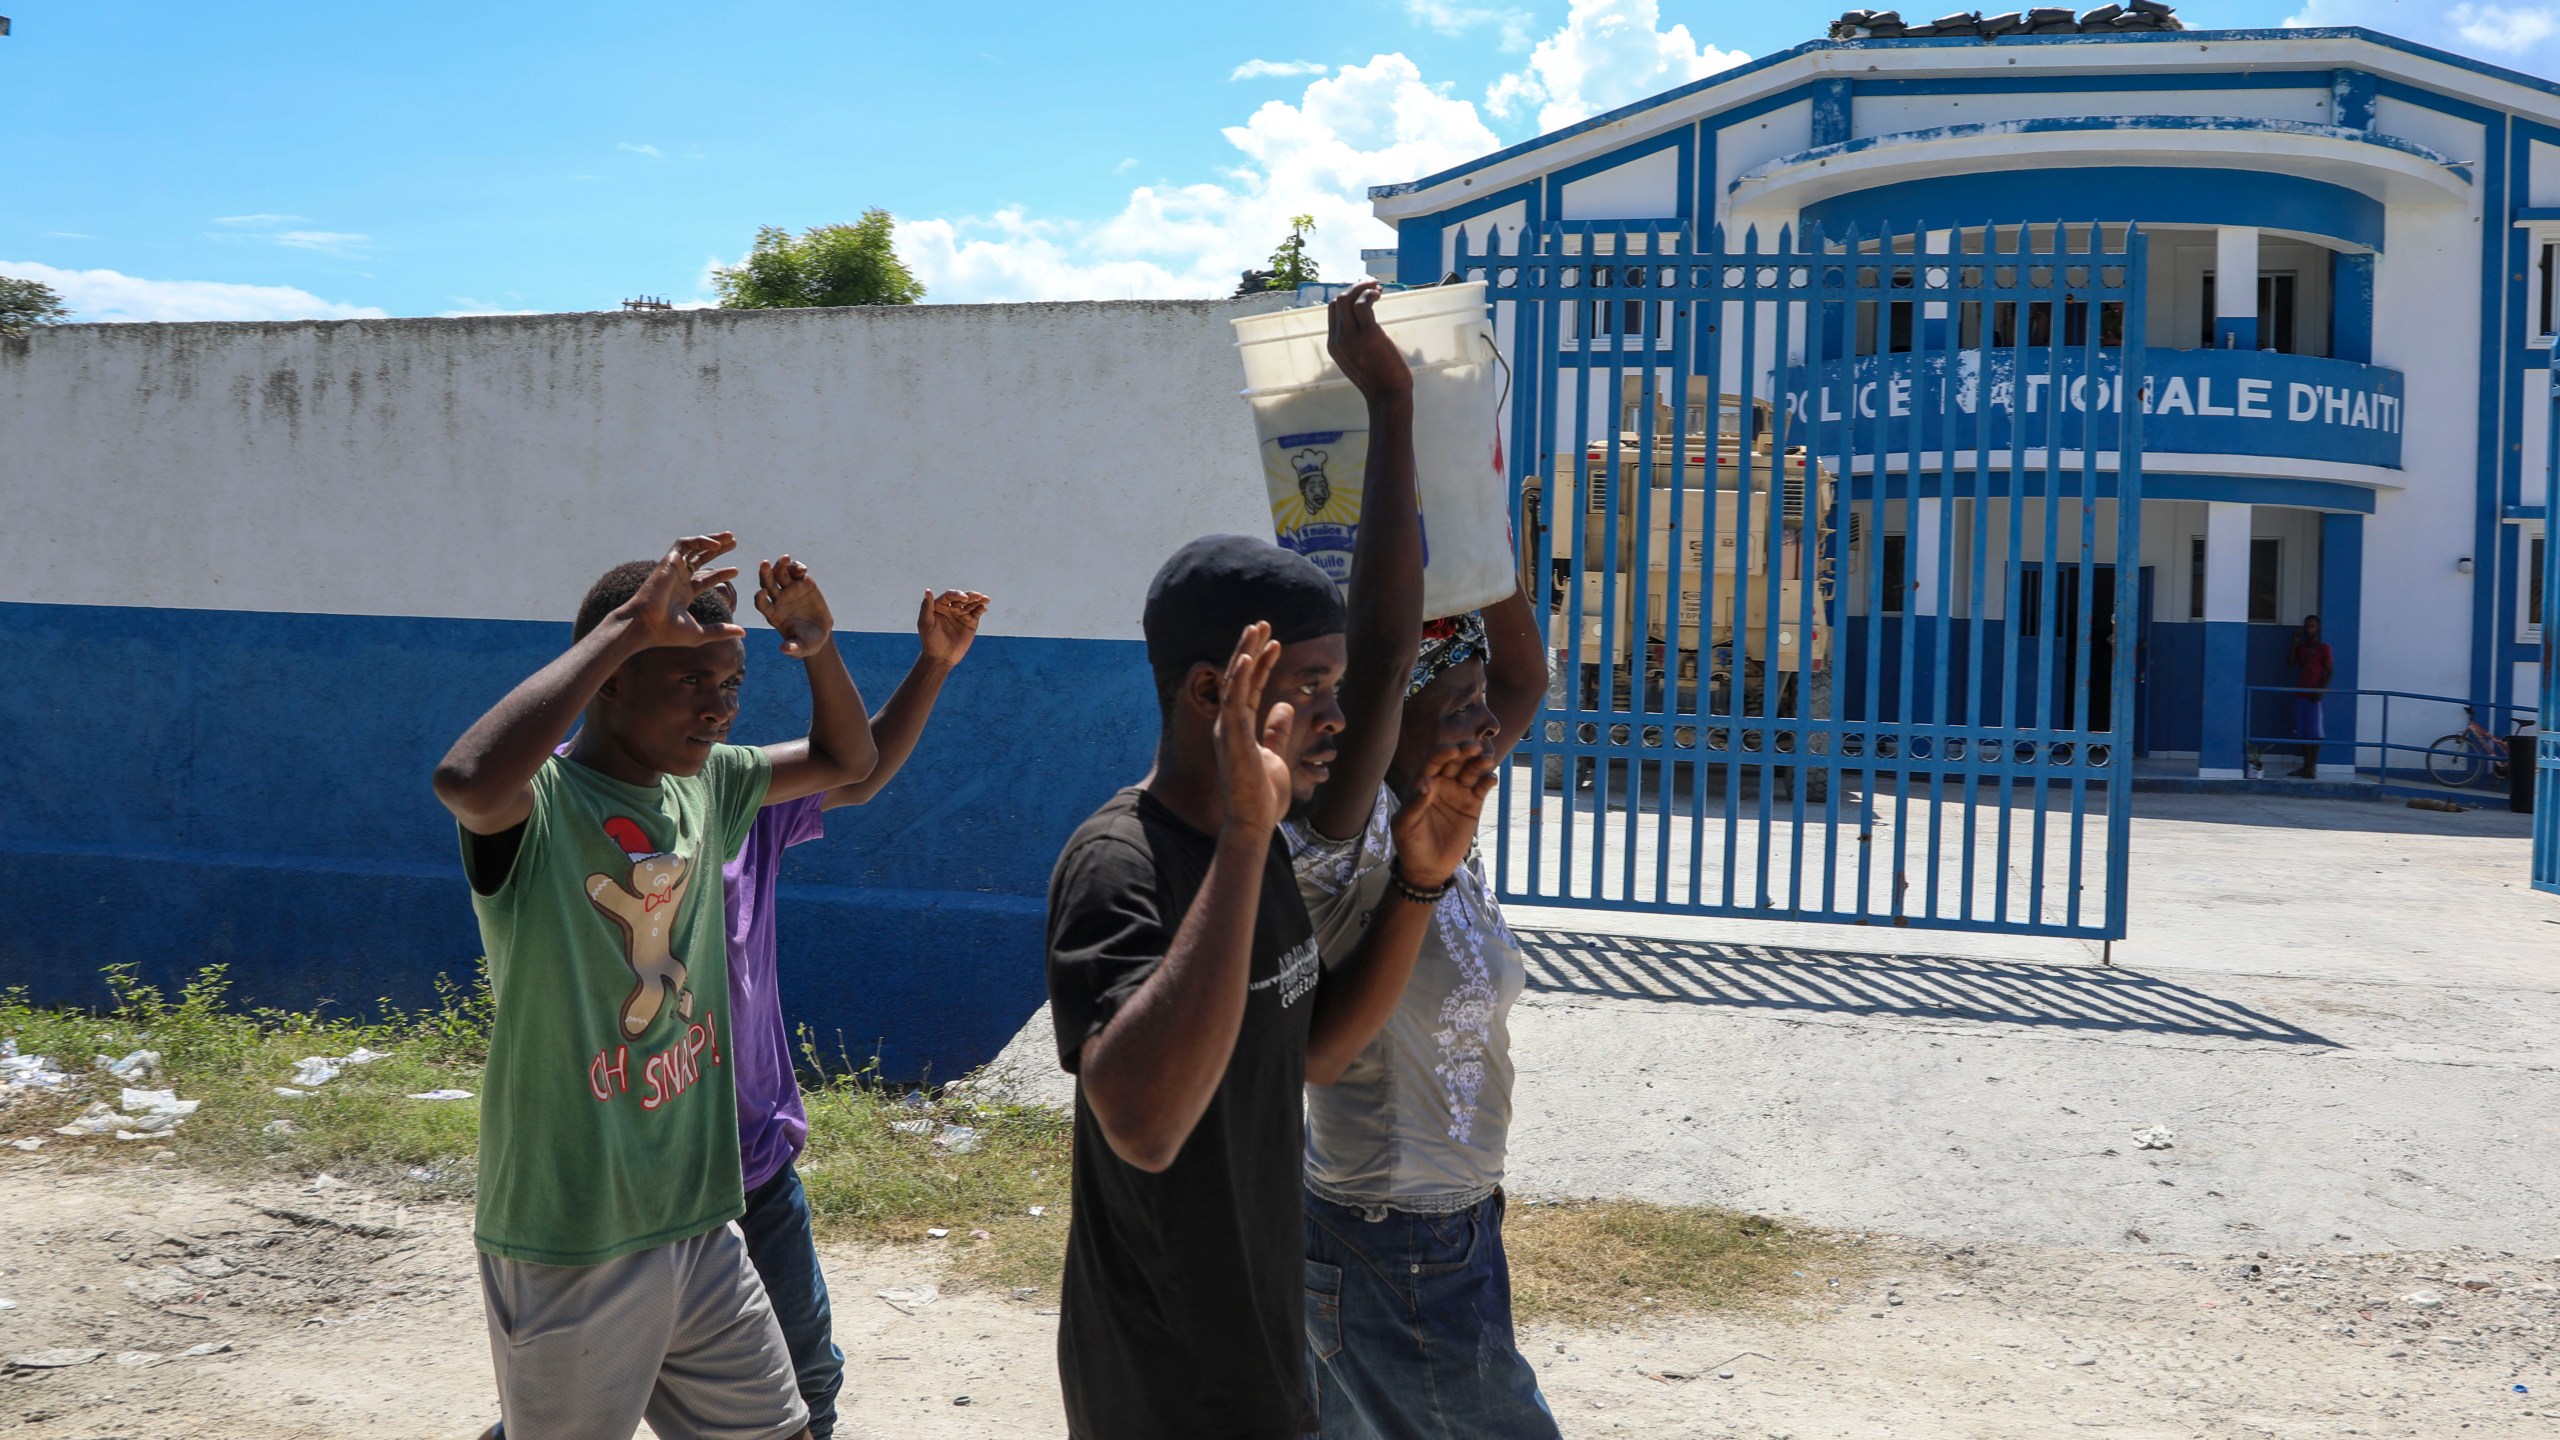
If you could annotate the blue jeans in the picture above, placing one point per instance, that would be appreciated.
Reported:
(786, 1256)
(1409, 1328)
(776, 1227)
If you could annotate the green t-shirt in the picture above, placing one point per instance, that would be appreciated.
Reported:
(608, 1120)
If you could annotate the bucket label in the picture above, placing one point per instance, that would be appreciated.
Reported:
(1314, 480)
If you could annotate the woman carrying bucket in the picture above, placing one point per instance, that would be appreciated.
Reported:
(1409, 1328)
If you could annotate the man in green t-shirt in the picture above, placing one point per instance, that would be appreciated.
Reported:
(614, 1286)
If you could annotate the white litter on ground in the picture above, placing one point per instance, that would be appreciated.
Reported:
(28, 1072)
(321, 1069)
(98, 1119)
(909, 1299)
(140, 1065)
(442, 1095)
(2155, 1137)
(911, 1127)
(958, 1139)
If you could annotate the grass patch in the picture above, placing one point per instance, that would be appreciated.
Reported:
(871, 1180)
(1596, 1262)
(360, 1124)
(868, 1178)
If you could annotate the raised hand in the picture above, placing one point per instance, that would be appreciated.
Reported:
(790, 601)
(1360, 345)
(948, 622)
(661, 611)
(1253, 766)
(1437, 826)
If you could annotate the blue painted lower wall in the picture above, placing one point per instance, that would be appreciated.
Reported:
(199, 787)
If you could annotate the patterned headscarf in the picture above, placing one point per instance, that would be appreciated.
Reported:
(1447, 644)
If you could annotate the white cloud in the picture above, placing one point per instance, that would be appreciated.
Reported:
(107, 295)
(1362, 125)
(327, 242)
(1257, 69)
(465, 307)
(1125, 166)
(1365, 125)
(2519, 35)
(2509, 28)
(1609, 53)
(1455, 19)
(261, 229)
(649, 150)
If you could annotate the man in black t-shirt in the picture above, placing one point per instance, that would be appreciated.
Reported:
(1186, 991)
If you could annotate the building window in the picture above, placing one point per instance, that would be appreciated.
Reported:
(2195, 579)
(1895, 563)
(2530, 631)
(2275, 312)
(2550, 261)
(1624, 320)
(2075, 324)
(2265, 557)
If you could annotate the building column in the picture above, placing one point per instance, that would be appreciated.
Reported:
(1925, 529)
(2341, 617)
(2235, 288)
(2226, 642)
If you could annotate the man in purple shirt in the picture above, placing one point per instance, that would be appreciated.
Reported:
(773, 1126)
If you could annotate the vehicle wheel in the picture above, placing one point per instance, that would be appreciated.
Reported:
(2453, 762)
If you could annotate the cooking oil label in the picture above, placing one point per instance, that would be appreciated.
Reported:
(1314, 479)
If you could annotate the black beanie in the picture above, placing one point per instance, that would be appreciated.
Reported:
(1215, 586)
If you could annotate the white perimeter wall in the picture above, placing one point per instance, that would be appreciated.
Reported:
(490, 468)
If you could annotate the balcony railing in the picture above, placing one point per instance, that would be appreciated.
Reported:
(2208, 402)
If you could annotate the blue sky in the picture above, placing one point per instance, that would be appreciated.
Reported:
(191, 161)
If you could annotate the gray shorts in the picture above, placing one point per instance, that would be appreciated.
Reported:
(680, 1335)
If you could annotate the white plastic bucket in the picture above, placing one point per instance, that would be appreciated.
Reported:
(1314, 433)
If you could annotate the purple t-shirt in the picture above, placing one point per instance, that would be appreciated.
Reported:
(772, 1126)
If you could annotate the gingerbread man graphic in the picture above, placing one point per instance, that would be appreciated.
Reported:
(645, 908)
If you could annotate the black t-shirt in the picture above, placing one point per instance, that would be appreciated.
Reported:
(1184, 1311)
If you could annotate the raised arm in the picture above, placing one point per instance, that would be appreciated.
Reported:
(1385, 624)
(1433, 833)
(486, 779)
(1515, 676)
(945, 624)
(1150, 1072)
(839, 750)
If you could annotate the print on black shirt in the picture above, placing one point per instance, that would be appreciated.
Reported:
(1183, 1311)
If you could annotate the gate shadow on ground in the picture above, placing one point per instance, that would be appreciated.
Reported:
(1932, 987)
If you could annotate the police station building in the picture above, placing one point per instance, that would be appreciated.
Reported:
(2346, 306)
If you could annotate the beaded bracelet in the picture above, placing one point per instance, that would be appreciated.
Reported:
(1407, 890)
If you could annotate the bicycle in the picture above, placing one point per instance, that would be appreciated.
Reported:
(2458, 760)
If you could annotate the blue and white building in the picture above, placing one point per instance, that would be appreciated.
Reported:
(2350, 311)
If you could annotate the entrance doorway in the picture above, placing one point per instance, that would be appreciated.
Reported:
(2079, 677)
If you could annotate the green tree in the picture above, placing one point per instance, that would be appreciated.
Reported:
(1291, 265)
(826, 265)
(24, 303)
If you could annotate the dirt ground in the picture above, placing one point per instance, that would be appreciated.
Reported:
(336, 1310)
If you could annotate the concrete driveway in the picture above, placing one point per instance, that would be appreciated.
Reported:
(2345, 1012)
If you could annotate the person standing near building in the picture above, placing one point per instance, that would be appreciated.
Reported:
(1183, 978)
(1408, 1289)
(614, 1286)
(773, 1125)
(2312, 666)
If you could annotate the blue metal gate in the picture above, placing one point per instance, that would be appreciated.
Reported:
(1835, 540)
